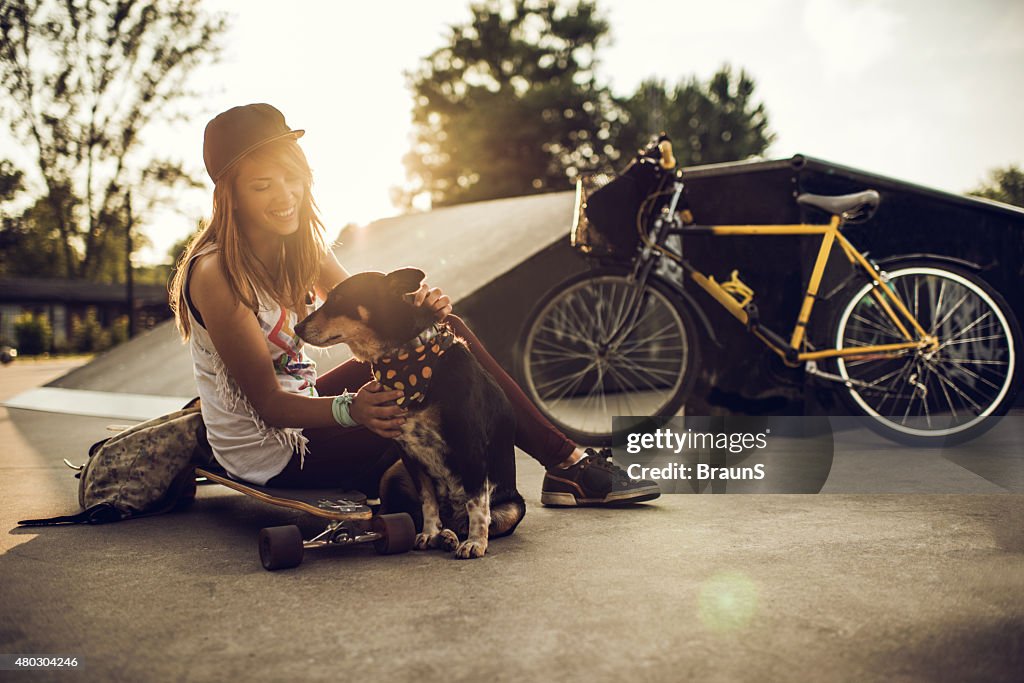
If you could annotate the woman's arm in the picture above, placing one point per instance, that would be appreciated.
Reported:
(237, 336)
(331, 273)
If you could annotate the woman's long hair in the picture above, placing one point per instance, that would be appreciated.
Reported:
(299, 265)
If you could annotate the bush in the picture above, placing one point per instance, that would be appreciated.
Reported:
(119, 331)
(87, 335)
(34, 334)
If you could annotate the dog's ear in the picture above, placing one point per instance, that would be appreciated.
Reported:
(364, 313)
(404, 280)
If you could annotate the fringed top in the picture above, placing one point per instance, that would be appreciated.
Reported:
(242, 442)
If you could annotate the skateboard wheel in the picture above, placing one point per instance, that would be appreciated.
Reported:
(280, 547)
(398, 533)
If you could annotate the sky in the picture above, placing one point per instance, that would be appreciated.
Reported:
(925, 91)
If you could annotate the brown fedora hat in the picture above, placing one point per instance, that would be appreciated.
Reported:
(236, 132)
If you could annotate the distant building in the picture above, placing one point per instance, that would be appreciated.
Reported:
(62, 300)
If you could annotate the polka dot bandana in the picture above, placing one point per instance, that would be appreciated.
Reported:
(410, 368)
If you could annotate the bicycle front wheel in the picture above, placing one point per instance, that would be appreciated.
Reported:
(580, 373)
(931, 396)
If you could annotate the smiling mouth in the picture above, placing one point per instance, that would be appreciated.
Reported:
(287, 213)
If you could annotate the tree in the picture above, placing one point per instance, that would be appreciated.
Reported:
(511, 104)
(707, 122)
(1003, 185)
(11, 181)
(84, 79)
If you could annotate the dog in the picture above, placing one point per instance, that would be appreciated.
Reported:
(458, 441)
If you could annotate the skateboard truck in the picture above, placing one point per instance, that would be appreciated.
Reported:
(282, 547)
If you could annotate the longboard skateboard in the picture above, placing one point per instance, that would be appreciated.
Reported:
(349, 521)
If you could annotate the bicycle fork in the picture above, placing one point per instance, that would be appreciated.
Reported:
(643, 267)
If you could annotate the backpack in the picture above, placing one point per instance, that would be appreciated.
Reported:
(147, 469)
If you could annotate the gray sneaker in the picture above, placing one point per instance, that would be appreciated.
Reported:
(595, 480)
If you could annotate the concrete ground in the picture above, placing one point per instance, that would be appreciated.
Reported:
(721, 588)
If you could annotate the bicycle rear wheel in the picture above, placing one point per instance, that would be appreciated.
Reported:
(947, 395)
(579, 377)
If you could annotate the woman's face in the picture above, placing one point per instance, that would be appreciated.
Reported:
(269, 198)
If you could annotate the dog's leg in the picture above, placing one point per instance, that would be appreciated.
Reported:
(478, 509)
(505, 517)
(433, 535)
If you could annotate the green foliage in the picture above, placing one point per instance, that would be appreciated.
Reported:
(707, 122)
(34, 244)
(33, 334)
(1003, 185)
(11, 181)
(11, 185)
(87, 335)
(119, 331)
(82, 80)
(510, 104)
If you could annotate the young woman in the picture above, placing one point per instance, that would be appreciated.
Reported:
(250, 275)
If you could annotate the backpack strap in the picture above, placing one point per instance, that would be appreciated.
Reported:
(103, 513)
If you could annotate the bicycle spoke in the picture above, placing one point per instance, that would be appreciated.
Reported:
(953, 310)
(968, 328)
(598, 383)
(647, 340)
(945, 393)
(974, 339)
(638, 369)
(973, 362)
(952, 386)
(555, 351)
(972, 374)
(623, 309)
(625, 394)
(567, 380)
(906, 370)
(938, 306)
(579, 326)
(571, 336)
(917, 292)
(891, 331)
(884, 377)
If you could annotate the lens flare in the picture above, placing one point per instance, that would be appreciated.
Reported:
(727, 601)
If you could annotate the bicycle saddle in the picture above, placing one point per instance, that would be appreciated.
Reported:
(859, 205)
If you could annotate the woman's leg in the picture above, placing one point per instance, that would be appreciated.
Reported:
(573, 477)
(340, 457)
(534, 434)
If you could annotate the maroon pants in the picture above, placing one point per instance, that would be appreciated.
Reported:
(355, 457)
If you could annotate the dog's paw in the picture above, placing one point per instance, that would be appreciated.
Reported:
(447, 540)
(423, 541)
(471, 549)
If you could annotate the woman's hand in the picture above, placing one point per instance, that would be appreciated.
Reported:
(374, 408)
(434, 299)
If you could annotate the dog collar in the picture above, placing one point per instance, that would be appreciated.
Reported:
(410, 368)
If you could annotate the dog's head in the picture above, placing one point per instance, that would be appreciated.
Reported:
(371, 312)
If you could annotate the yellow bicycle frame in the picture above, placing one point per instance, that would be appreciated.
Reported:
(886, 298)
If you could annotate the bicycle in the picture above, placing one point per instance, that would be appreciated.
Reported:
(928, 350)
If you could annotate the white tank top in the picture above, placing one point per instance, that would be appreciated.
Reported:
(242, 443)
